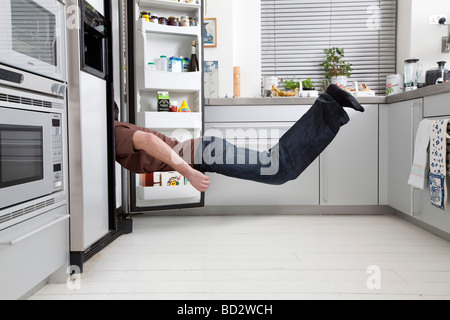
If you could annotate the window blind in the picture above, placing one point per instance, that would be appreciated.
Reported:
(295, 33)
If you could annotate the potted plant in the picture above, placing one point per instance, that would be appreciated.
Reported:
(336, 69)
(308, 84)
(291, 84)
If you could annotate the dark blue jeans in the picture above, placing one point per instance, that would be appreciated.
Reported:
(296, 150)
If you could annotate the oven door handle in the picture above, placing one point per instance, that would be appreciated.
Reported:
(29, 235)
(55, 51)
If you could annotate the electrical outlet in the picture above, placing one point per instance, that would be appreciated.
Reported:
(434, 19)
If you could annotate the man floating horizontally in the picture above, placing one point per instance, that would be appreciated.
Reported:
(141, 150)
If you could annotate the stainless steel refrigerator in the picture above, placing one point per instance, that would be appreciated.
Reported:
(109, 48)
(94, 219)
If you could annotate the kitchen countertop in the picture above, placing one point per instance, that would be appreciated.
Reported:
(417, 94)
(280, 101)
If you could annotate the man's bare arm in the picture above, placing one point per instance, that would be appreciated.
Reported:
(158, 149)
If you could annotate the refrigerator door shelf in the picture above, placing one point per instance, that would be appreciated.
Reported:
(149, 27)
(164, 196)
(170, 120)
(169, 5)
(181, 82)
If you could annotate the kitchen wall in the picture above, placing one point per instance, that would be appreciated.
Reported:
(239, 44)
(239, 40)
(416, 38)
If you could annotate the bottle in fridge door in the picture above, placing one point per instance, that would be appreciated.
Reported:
(193, 66)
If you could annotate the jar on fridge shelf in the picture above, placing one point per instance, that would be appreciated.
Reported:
(162, 21)
(151, 66)
(146, 15)
(173, 21)
(184, 21)
(173, 106)
(162, 64)
(154, 19)
(192, 22)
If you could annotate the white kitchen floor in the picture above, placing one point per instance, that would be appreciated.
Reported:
(267, 257)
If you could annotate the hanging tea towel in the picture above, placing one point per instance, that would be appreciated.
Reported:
(438, 163)
(419, 170)
(448, 150)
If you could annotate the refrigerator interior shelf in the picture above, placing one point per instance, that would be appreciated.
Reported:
(173, 81)
(149, 27)
(167, 193)
(169, 5)
(171, 120)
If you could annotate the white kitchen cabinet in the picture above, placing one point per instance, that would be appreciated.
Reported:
(346, 174)
(303, 191)
(349, 166)
(32, 251)
(435, 107)
(231, 191)
(403, 119)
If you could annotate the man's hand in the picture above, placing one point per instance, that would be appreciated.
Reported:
(198, 180)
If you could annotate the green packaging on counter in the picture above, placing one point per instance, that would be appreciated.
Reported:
(163, 101)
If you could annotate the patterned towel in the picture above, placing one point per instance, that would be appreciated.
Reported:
(438, 163)
(448, 150)
(419, 170)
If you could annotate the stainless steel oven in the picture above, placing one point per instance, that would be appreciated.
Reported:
(31, 140)
(32, 36)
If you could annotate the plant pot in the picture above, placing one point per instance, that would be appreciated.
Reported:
(340, 81)
(325, 84)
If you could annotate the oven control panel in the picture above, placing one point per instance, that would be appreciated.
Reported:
(57, 154)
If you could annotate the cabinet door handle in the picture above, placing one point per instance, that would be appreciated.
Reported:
(29, 235)
(417, 203)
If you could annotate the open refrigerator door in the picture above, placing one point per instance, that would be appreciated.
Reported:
(165, 93)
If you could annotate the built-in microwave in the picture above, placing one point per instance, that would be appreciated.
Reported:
(31, 137)
(32, 36)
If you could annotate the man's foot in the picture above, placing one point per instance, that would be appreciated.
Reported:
(344, 98)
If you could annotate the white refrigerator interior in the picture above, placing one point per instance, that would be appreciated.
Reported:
(152, 42)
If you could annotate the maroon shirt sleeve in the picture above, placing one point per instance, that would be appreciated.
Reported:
(138, 161)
